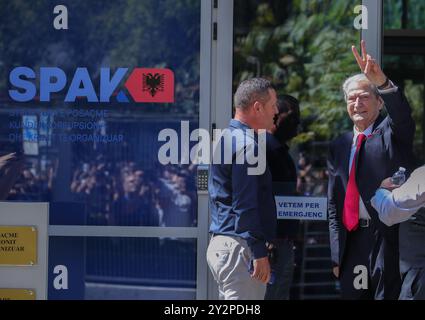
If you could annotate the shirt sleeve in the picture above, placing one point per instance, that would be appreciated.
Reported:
(247, 208)
(392, 89)
(389, 212)
(411, 195)
(398, 206)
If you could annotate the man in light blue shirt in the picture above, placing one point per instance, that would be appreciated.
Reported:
(402, 205)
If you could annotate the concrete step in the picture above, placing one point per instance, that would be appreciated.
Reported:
(317, 271)
(321, 297)
(317, 258)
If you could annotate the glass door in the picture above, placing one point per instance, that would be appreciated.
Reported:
(304, 48)
(404, 59)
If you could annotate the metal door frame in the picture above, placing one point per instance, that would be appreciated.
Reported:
(374, 35)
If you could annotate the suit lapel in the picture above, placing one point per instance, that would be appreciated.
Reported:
(346, 152)
(375, 126)
(377, 122)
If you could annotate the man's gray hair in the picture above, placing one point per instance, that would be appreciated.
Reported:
(251, 90)
(361, 77)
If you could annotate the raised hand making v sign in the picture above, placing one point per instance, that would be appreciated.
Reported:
(371, 68)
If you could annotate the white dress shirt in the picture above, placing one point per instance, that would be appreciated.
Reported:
(400, 204)
(363, 214)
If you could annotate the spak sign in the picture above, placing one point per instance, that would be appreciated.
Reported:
(144, 85)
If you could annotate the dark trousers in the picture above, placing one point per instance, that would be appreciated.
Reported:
(357, 253)
(360, 251)
(413, 286)
(283, 270)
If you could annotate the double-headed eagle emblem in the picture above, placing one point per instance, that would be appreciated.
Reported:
(153, 83)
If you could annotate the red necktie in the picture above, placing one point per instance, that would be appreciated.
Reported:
(350, 215)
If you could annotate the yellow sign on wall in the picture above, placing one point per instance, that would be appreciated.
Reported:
(17, 294)
(18, 245)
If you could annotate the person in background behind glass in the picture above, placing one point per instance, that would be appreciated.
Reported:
(284, 176)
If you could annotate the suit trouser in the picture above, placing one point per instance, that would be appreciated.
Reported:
(229, 259)
(357, 252)
(413, 286)
(363, 251)
(283, 270)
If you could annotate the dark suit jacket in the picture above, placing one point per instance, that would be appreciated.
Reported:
(284, 176)
(412, 242)
(388, 148)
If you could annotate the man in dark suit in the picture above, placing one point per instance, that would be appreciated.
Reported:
(364, 250)
(406, 205)
(284, 176)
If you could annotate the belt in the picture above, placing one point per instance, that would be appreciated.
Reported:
(364, 223)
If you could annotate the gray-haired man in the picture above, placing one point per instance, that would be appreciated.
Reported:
(364, 250)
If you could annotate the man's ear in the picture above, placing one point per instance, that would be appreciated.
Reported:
(381, 104)
(257, 106)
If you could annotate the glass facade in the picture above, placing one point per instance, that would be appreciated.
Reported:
(103, 155)
(404, 14)
(404, 58)
(84, 140)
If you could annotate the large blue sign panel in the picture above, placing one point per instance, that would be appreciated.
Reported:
(86, 87)
(84, 94)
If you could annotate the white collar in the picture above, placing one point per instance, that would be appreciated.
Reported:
(367, 132)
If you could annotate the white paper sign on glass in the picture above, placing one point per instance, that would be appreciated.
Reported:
(301, 208)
